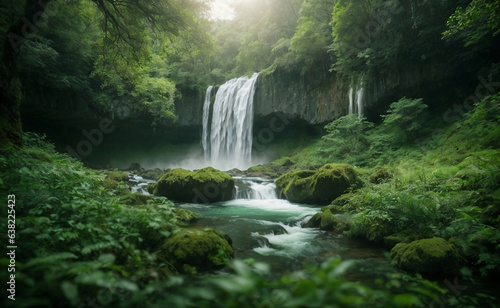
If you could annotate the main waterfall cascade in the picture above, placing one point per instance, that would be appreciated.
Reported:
(227, 138)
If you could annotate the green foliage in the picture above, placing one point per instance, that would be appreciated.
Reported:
(74, 232)
(405, 116)
(347, 136)
(478, 21)
(78, 238)
(313, 35)
(378, 37)
(104, 56)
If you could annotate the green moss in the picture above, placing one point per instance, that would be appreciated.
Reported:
(202, 186)
(329, 222)
(336, 205)
(192, 250)
(151, 187)
(110, 184)
(380, 175)
(185, 216)
(427, 256)
(400, 237)
(283, 161)
(136, 199)
(259, 168)
(317, 187)
(269, 171)
(116, 175)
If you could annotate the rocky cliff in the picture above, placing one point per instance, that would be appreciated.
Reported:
(320, 97)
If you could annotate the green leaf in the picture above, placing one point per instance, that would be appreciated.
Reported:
(71, 292)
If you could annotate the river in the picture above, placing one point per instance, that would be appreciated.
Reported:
(265, 228)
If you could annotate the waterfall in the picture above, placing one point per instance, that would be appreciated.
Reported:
(255, 190)
(351, 107)
(359, 100)
(229, 135)
(206, 113)
(358, 97)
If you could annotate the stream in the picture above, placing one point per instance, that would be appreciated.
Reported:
(268, 229)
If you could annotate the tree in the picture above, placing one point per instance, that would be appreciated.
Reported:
(348, 135)
(404, 119)
(313, 34)
(123, 23)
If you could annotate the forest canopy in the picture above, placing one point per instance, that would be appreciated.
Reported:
(143, 57)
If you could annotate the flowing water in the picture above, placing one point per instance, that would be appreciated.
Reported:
(227, 138)
(358, 98)
(268, 229)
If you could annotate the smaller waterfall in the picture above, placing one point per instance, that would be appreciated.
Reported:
(263, 191)
(359, 100)
(351, 105)
(256, 191)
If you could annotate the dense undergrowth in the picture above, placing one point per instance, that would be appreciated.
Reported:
(80, 244)
(423, 178)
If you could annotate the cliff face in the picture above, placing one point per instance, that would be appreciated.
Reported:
(314, 98)
(321, 97)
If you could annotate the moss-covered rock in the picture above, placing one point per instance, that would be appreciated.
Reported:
(185, 216)
(201, 186)
(136, 199)
(338, 203)
(380, 175)
(262, 171)
(116, 175)
(194, 250)
(151, 187)
(110, 184)
(152, 174)
(329, 222)
(401, 237)
(283, 161)
(317, 187)
(427, 256)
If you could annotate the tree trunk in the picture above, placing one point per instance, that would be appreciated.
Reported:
(17, 20)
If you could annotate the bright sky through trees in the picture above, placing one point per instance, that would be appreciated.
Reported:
(221, 9)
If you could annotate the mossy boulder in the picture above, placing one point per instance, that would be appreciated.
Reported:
(110, 184)
(152, 174)
(114, 178)
(185, 216)
(195, 250)
(136, 199)
(336, 205)
(116, 175)
(380, 175)
(401, 237)
(329, 222)
(201, 186)
(431, 256)
(262, 171)
(317, 187)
